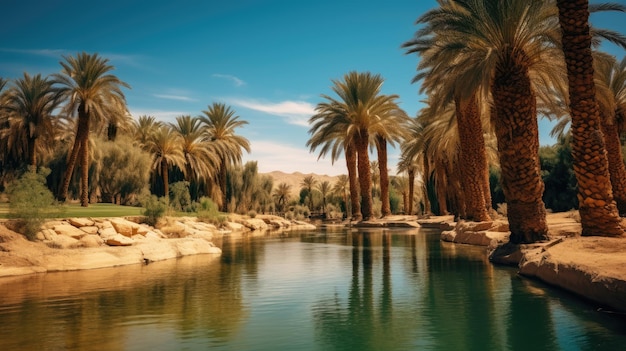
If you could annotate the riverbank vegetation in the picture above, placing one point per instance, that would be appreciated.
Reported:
(488, 70)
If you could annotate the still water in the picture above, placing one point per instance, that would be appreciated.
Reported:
(325, 290)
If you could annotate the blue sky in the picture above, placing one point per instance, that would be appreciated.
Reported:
(270, 60)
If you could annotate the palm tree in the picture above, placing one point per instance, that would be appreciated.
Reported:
(598, 212)
(30, 104)
(308, 183)
(200, 155)
(282, 194)
(411, 155)
(332, 136)
(324, 188)
(341, 188)
(165, 147)
(95, 94)
(503, 48)
(220, 122)
(143, 128)
(355, 118)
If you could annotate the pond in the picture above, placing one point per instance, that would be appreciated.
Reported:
(322, 290)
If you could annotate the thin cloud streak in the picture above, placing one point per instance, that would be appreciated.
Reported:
(160, 115)
(175, 97)
(238, 82)
(294, 112)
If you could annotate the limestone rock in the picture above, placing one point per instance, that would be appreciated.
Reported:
(119, 240)
(91, 240)
(69, 230)
(125, 227)
(81, 222)
(64, 242)
(89, 229)
(107, 232)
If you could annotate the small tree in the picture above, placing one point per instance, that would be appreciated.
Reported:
(180, 198)
(154, 208)
(31, 202)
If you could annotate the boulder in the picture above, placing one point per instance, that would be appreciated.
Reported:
(63, 242)
(119, 240)
(89, 229)
(107, 232)
(81, 222)
(69, 230)
(91, 240)
(125, 227)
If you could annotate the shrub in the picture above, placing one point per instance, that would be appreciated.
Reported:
(154, 208)
(31, 202)
(180, 199)
(208, 212)
(252, 213)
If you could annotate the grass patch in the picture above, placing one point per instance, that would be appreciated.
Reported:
(94, 210)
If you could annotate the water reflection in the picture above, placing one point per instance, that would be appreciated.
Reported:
(325, 290)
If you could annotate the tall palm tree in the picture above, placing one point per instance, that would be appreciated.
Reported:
(502, 48)
(411, 155)
(165, 146)
(143, 128)
(355, 118)
(30, 104)
(324, 188)
(308, 183)
(93, 93)
(341, 187)
(282, 193)
(332, 136)
(598, 211)
(200, 155)
(220, 122)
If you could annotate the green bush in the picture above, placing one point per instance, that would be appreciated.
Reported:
(31, 202)
(154, 208)
(180, 199)
(207, 211)
(252, 213)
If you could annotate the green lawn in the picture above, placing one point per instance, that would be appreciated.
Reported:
(94, 210)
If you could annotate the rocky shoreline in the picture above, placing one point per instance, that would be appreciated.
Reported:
(590, 267)
(89, 243)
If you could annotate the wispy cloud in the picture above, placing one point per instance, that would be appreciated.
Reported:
(273, 156)
(56, 53)
(238, 82)
(174, 97)
(294, 112)
(114, 58)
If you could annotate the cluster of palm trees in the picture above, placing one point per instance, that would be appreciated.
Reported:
(488, 68)
(42, 115)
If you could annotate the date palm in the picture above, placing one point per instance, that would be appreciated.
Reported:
(356, 117)
(333, 137)
(220, 122)
(411, 156)
(165, 147)
(324, 188)
(499, 49)
(308, 183)
(598, 211)
(200, 155)
(143, 128)
(282, 194)
(29, 105)
(340, 188)
(93, 93)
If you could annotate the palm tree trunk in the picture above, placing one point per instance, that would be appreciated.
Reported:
(472, 158)
(81, 133)
(381, 147)
(425, 177)
(353, 181)
(598, 211)
(32, 153)
(518, 147)
(411, 189)
(166, 179)
(617, 170)
(441, 187)
(222, 180)
(84, 168)
(365, 177)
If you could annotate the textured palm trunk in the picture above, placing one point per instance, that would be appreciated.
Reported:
(32, 153)
(458, 195)
(441, 182)
(473, 160)
(222, 180)
(166, 178)
(518, 147)
(381, 147)
(617, 170)
(598, 211)
(411, 189)
(365, 176)
(353, 182)
(84, 169)
(425, 177)
(82, 132)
